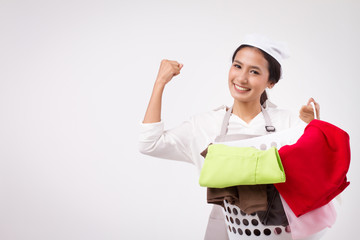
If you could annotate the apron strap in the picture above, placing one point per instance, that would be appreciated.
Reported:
(225, 123)
(268, 124)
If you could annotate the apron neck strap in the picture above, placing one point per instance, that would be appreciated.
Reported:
(224, 126)
(268, 125)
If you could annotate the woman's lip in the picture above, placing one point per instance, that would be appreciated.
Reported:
(241, 88)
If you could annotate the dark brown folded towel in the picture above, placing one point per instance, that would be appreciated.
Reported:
(249, 198)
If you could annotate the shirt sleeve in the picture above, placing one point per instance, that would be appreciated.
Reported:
(173, 144)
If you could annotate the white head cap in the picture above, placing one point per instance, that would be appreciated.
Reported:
(277, 50)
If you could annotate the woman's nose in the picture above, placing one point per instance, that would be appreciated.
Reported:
(243, 77)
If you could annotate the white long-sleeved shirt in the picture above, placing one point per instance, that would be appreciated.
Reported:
(186, 141)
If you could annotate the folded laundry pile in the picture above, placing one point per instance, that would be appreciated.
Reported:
(307, 175)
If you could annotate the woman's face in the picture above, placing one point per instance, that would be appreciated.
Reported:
(248, 75)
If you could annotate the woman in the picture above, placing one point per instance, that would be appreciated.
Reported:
(256, 66)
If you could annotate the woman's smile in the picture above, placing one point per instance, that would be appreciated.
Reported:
(241, 88)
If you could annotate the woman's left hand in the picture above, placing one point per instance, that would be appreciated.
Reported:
(307, 112)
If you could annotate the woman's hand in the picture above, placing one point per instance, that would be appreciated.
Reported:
(307, 112)
(168, 69)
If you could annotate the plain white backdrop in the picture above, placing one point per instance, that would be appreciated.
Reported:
(75, 79)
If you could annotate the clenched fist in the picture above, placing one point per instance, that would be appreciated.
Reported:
(168, 69)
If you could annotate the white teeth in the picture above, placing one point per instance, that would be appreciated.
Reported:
(241, 88)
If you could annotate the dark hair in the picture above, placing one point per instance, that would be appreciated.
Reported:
(274, 68)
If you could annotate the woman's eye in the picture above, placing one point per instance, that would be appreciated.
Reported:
(254, 72)
(237, 66)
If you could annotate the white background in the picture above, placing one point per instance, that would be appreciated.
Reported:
(75, 79)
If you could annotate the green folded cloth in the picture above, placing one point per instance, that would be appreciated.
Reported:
(227, 166)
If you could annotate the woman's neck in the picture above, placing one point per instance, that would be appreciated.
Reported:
(246, 111)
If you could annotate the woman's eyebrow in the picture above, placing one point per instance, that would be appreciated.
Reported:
(255, 67)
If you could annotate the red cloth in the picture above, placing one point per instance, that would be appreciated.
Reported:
(315, 167)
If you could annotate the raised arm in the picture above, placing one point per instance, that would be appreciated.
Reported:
(168, 69)
(154, 140)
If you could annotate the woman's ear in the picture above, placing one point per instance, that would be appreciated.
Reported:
(271, 85)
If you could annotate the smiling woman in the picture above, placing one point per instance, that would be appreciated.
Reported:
(256, 66)
(259, 64)
(248, 79)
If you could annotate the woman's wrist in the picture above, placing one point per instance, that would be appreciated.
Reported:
(159, 84)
